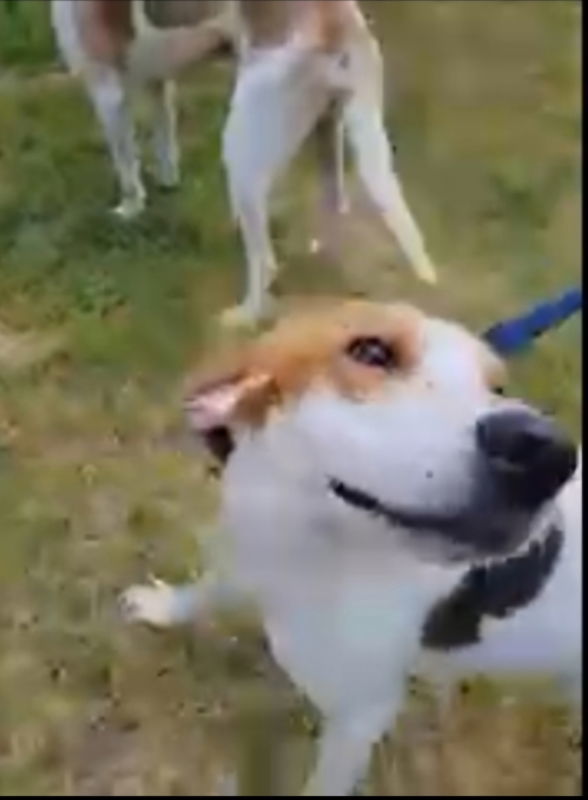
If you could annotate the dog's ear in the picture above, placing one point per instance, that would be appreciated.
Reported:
(219, 403)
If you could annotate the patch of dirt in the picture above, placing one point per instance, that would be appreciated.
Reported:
(21, 350)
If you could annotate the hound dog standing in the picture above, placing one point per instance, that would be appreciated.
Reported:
(115, 48)
(304, 67)
(384, 503)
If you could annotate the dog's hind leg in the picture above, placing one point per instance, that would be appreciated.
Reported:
(110, 99)
(163, 605)
(330, 151)
(165, 146)
(364, 125)
(275, 104)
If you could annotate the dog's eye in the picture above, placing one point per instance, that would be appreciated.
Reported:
(372, 352)
(499, 390)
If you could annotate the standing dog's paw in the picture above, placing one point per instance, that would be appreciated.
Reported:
(130, 208)
(245, 316)
(426, 271)
(238, 317)
(167, 177)
(154, 604)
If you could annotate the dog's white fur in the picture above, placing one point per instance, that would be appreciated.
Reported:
(152, 58)
(343, 596)
(282, 94)
(299, 80)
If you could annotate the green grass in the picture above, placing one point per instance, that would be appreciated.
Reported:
(98, 486)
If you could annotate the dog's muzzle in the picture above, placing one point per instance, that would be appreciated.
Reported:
(526, 454)
(522, 460)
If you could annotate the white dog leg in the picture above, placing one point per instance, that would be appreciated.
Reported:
(110, 100)
(165, 147)
(163, 605)
(330, 152)
(345, 750)
(364, 125)
(273, 109)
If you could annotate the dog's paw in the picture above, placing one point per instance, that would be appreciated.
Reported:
(129, 208)
(167, 177)
(426, 271)
(246, 315)
(154, 604)
(239, 317)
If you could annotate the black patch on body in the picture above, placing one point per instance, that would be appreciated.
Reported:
(497, 590)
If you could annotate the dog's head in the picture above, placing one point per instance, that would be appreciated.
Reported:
(397, 418)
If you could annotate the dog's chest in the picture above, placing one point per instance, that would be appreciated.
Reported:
(337, 630)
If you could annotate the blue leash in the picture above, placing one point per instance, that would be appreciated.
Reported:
(510, 336)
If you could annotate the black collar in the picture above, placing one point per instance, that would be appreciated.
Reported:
(494, 590)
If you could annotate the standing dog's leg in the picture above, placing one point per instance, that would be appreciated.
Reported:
(272, 112)
(345, 748)
(330, 149)
(165, 146)
(109, 96)
(363, 117)
(163, 605)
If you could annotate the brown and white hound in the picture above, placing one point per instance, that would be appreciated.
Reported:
(304, 67)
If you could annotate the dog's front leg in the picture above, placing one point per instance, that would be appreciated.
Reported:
(163, 605)
(334, 205)
(346, 744)
(109, 96)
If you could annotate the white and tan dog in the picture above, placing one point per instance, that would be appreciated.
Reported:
(115, 49)
(304, 67)
(387, 509)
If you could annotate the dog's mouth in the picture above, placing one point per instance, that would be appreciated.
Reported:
(406, 518)
(467, 532)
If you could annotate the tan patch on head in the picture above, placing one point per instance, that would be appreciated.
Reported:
(106, 28)
(309, 348)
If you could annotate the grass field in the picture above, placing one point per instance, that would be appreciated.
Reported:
(98, 321)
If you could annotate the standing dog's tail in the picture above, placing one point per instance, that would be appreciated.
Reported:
(360, 72)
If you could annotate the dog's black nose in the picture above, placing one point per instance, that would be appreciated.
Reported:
(527, 452)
